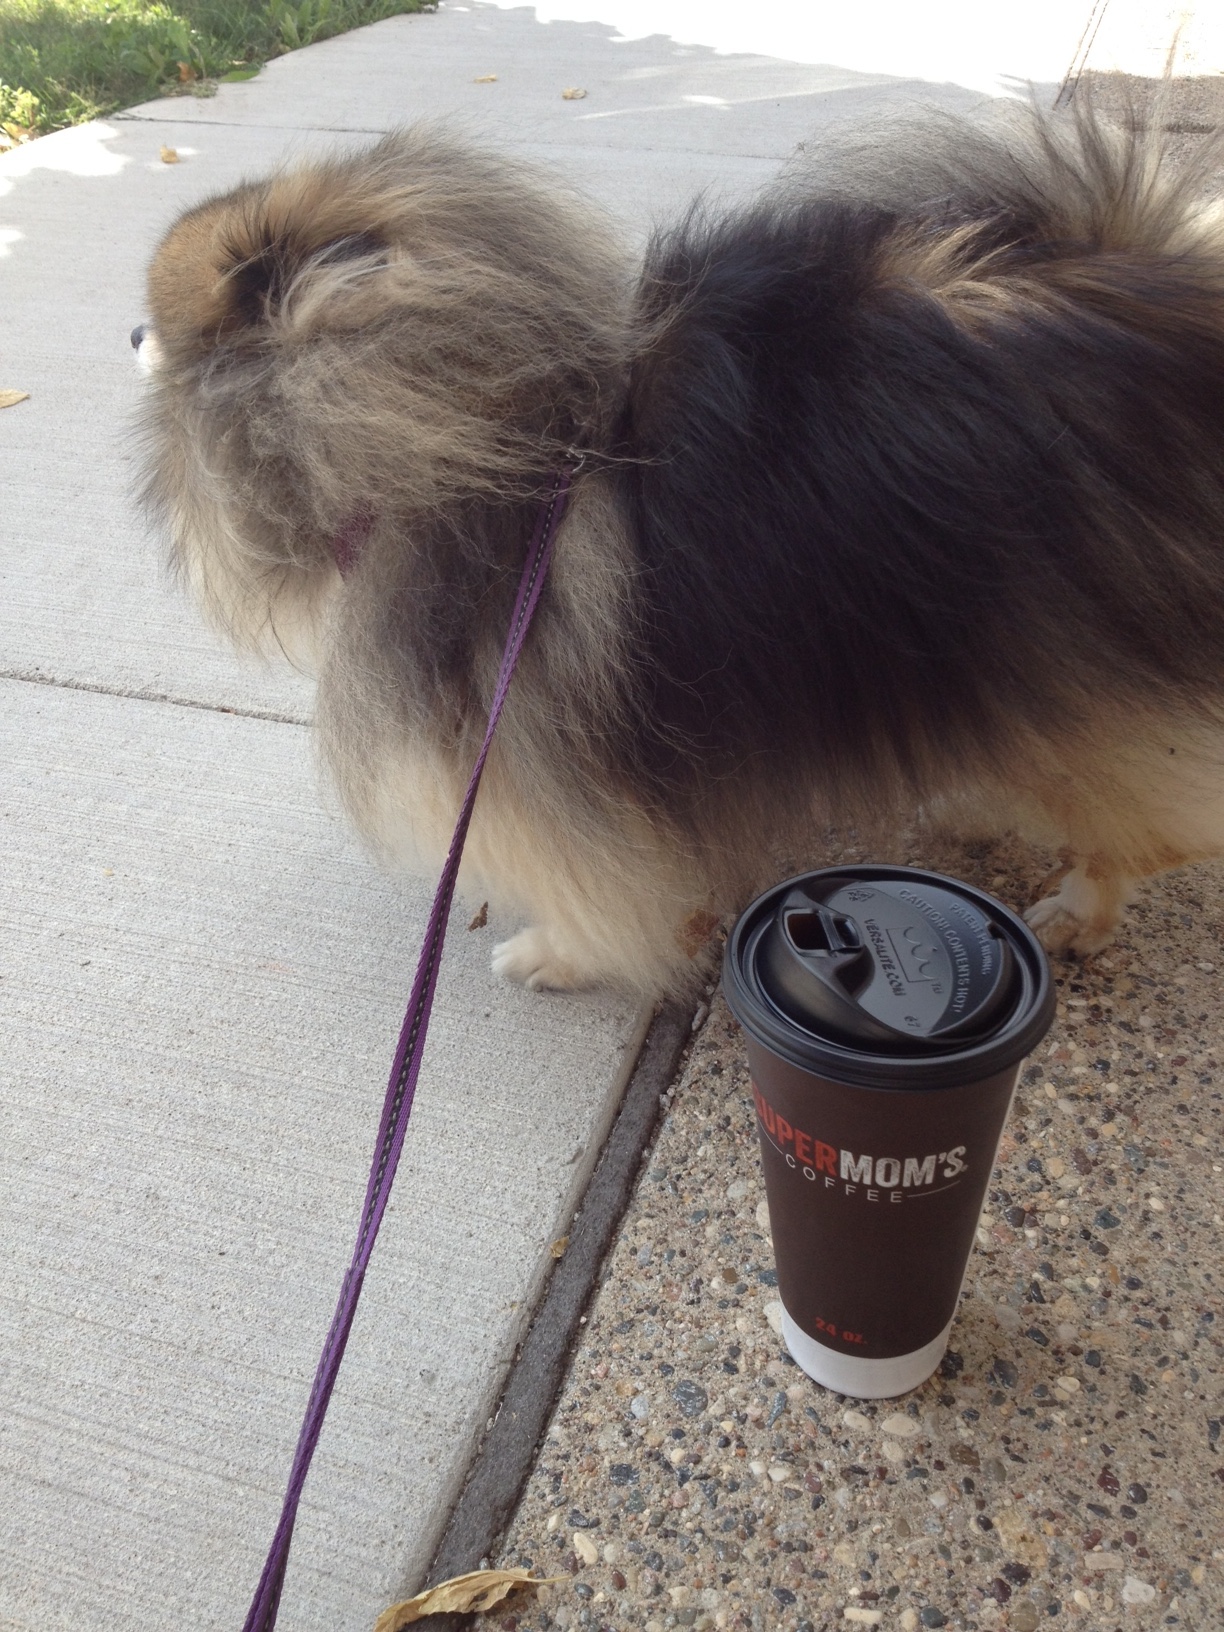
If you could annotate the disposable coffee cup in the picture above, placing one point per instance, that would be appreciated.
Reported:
(886, 1012)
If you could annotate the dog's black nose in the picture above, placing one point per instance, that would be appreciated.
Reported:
(138, 334)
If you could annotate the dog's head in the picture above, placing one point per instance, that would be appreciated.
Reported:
(379, 334)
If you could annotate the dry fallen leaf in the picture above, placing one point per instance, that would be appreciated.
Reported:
(696, 930)
(9, 399)
(169, 155)
(573, 94)
(559, 1245)
(485, 79)
(474, 1593)
(481, 918)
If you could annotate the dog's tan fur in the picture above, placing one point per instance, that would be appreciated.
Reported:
(487, 301)
(422, 333)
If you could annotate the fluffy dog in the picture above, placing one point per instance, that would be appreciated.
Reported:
(900, 491)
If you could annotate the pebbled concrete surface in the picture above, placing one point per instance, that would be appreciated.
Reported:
(1064, 1469)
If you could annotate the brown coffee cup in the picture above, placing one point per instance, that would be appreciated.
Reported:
(887, 1011)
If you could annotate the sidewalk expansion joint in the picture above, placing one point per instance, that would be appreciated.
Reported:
(131, 118)
(142, 695)
(544, 139)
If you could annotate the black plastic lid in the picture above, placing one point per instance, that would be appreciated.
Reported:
(888, 977)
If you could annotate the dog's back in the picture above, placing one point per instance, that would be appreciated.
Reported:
(920, 473)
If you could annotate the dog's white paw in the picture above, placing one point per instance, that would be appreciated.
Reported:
(531, 959)
(1064, 929)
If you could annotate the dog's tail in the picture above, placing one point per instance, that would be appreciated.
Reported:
(1100, 172)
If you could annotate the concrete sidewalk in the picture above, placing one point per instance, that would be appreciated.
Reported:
(201, 975)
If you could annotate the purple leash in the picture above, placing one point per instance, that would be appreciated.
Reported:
(407, 1063)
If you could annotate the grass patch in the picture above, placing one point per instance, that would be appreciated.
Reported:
(64, 61)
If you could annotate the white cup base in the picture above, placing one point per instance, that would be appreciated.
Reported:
(863, 1379)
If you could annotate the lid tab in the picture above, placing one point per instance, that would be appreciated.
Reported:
(894, 963)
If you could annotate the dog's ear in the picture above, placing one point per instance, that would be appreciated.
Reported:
(225, 270)
(258, 278)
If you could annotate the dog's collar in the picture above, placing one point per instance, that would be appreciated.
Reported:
(347, 545)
